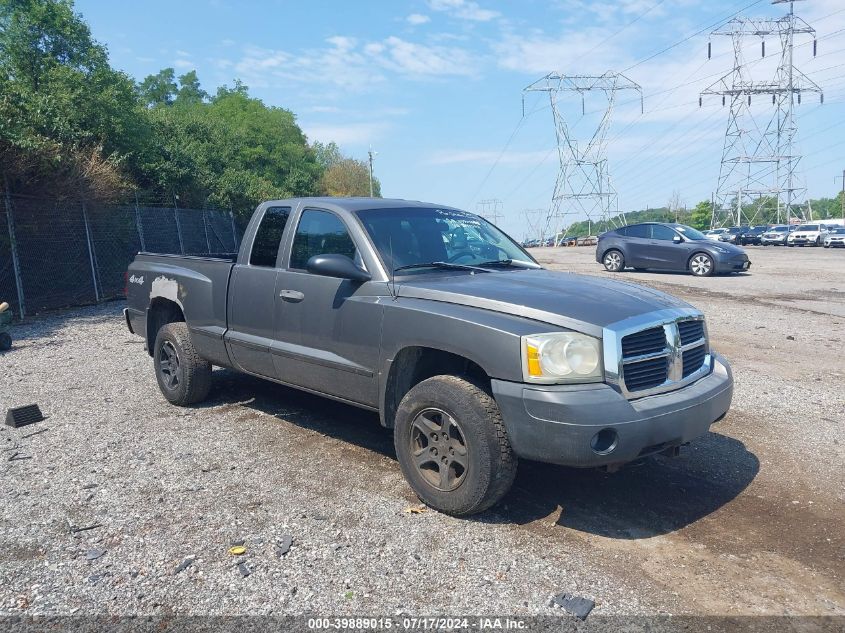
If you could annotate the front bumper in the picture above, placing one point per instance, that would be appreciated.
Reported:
(558, 423)
(732, 263)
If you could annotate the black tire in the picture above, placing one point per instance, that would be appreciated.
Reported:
(613, 260)
(701, 265)
(183, 376)
(463, 416)
(5, 341)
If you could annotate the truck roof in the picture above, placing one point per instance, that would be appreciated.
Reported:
(356, 204)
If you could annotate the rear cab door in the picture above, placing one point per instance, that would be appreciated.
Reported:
(251, 302)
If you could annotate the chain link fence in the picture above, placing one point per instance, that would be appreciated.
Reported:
(58, 253)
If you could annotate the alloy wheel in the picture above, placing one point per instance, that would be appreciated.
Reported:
(701, 265)
(439, 449)
(168, 364)
(613, 261)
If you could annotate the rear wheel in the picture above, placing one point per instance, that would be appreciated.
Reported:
(183, 376)
(452, 445)
(701, 265)
(613, 260)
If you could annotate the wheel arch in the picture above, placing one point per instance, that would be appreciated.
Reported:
(415, 363)
(160, 312)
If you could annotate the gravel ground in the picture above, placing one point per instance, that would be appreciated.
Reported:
(748, 521)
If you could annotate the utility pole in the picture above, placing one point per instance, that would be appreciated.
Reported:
(759, 158)
(371, 154)
(842, 196)
(583, 187)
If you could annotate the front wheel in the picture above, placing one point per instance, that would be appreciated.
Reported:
(452, 445)
(5, 341)
(183, 376)
(613, 261)
(701, 265)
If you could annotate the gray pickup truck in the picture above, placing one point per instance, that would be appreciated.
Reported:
(467, 348)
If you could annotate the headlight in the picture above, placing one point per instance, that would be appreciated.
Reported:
(561, 357)
(720, 249)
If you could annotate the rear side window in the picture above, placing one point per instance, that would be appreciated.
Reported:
(660, 232)
(623, 230)
(268, 238)
(638, 230)
(320, 233)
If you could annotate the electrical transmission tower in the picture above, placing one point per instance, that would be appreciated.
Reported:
(536, 221)
(759, 159)
(583, 188)
(490, 210)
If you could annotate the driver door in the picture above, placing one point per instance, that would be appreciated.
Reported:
(327, 330)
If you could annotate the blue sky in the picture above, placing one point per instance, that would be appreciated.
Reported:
(436, 85)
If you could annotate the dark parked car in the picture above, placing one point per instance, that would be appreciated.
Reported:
(752, 235)
(668, 247)
(731, 236)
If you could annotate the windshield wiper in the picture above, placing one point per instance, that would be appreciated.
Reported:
(442, 265)
(508, 262)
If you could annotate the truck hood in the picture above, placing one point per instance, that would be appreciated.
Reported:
(579, 302)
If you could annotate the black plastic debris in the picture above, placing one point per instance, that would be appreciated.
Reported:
(244, 570)
(574, 605)
(94, 554)
(184, 565)
(23, 416)
(283, 545)
(16, 457)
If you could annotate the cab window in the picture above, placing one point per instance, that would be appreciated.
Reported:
(268, 237)
(320, 233)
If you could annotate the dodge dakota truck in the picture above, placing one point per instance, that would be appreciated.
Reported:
(469, 350)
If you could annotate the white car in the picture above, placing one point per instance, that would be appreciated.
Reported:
(835, 238)
(713, 234)
(776, 235)
(807, 235)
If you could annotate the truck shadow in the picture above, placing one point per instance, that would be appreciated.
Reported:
(654, 496)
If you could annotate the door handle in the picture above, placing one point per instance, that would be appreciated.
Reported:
(294, 296)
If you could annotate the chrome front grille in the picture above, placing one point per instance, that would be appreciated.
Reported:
(650, 358)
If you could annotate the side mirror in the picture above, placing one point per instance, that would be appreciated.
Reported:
(677, 239)
(336, 266)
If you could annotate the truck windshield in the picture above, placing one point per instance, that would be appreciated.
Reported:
(428, 237)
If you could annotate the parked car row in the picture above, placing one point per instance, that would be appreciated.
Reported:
(808, 234)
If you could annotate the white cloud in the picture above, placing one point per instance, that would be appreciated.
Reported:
(352, 65)
(464, 9)
(183, 63)
(417, 18)
(419, 59)
(351, 133)
(181, 53)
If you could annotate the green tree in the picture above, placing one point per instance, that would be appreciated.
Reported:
(190, 91)
(158, 89)
(348, 177)
(702, 215)
(68, 121)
